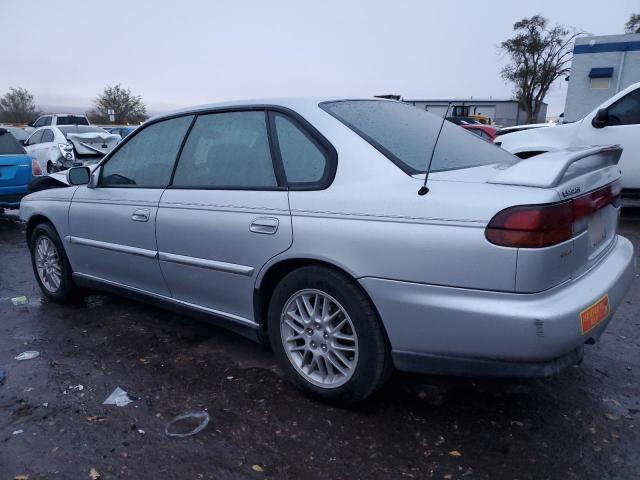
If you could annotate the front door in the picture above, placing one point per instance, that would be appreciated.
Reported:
(113, 225)
(623, 128)
(225, 214)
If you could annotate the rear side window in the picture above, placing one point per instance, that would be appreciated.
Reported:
(406, 136)
(227, 150)
(9, 145)
(147, 159)
(47, 136)
(72, 120)
(304, 161)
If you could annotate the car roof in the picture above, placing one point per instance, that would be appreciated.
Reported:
(293, 103)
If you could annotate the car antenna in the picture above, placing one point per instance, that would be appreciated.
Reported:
(424, 189)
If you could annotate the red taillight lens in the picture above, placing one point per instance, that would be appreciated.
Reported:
(531, 226)
(35, 167)
(535, 226)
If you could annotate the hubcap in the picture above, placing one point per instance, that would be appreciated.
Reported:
(48, 264)
(319, 338)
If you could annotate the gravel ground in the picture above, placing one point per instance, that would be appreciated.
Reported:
(582, 423)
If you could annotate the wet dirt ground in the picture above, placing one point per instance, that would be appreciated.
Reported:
(584, 423)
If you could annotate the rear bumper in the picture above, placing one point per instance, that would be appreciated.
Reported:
(439, 329)
(10, 196)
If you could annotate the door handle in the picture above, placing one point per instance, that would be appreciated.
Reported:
(141, 215)
(268, 225)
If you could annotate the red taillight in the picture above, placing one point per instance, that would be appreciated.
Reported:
(535, 226)
(35, 167)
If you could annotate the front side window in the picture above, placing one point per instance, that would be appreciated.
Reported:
(46, 121)
(227, 150)
(47, 136)
(303, 160)
(626, 111)
(35, 138)
(147, 160)
(406, 135)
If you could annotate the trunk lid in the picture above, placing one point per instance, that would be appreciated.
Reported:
(15, 170)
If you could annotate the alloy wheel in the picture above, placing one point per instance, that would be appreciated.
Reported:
(319, 338)
(48, 264)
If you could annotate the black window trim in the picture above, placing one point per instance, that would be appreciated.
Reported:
(396, 160)
(299, 120)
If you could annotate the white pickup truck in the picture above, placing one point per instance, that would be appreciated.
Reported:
(616, 121)
(57, 119)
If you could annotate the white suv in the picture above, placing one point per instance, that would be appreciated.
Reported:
(616, 121)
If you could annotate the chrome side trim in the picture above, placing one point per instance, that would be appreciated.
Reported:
(229, 316)
(203, 263)
(115, 247)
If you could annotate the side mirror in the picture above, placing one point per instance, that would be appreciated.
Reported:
(24, 142)
(79, 175)
(31, 123)
(601, 119)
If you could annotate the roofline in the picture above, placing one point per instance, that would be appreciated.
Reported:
(466, 100)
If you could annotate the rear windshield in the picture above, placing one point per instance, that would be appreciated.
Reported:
(72, 120)
(9, 145)
(406, 135)
(80, 129)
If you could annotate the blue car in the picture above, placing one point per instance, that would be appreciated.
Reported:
(17, 169)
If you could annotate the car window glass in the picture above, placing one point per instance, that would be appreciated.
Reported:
(406, 135)
(46, 121)
(35, 138)
(626, 111)
(9, 145)
(39, 122)
(147, 159)
(303, 160)
(47, 136)
(227, 150)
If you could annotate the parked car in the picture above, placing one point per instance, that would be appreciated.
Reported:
(615, 121)
(122, 131)
(299, 223)
(59, 148)
(519, 128)
(17, 169)
(57, 119)
(486, 132)
(18, 133)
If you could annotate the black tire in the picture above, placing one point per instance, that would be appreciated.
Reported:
(67, 290)
(373, 366)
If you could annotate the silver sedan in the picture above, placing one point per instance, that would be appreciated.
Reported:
(353, 235)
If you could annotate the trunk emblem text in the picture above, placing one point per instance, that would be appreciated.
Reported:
(570, 191)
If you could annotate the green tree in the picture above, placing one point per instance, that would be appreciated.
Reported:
(633, 25)
(128, 108)
(539, 55)
(17, 106)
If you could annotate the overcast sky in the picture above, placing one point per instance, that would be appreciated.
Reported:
(185, 52)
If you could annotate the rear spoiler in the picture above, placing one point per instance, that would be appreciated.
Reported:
(550, 169)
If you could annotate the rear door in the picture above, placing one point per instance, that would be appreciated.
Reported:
(225, 214)
(113, 225)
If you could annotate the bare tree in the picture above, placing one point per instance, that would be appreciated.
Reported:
(539, 55)
(17, 106)
(633, 25)
(128, 108)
